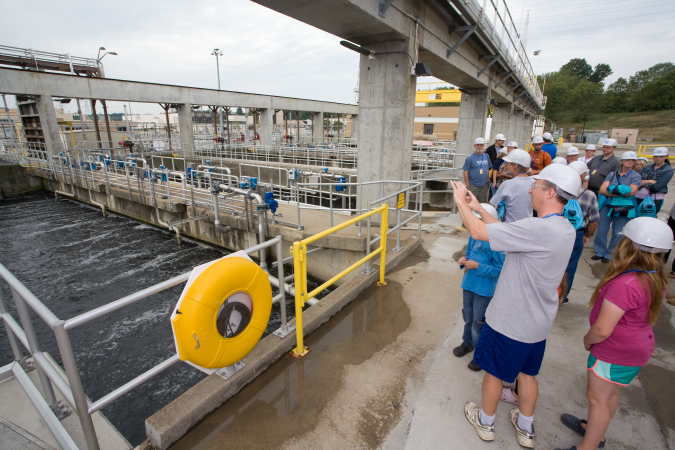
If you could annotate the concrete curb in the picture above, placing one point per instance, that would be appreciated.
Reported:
(170, 423)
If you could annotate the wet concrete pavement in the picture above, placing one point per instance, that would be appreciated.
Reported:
(382, 374)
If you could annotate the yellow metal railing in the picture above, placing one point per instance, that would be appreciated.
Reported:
(299, 252)
(642, 150)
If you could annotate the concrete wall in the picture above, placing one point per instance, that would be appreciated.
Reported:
(14, 180)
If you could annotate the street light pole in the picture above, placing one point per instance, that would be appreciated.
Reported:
(218, 53)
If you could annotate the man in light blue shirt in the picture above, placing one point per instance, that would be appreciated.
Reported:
(476, 171)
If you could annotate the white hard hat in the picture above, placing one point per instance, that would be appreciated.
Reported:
(610, 142)
(629, 155)
(564, 177)
(590, 147)
(518, 156)
(512, 144)
(537, 140)
(660, 151)
(642, 158)
(649, 234)
(572, 151)
(490, 209)
(559, 160)
(579, 166)
(479, 140)
(500, 137)
(503, 150)
(548, 136)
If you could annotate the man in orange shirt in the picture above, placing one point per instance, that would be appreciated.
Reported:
(540, 158)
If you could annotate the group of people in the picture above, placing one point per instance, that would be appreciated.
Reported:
(514, 282)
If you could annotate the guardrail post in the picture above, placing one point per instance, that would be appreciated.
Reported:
(13, 342)
(383, 244)
(69, 364)
(26, 321)
(300, 265)
(398, 247)
(368, 270)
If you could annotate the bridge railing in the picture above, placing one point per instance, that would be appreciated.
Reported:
(71, 388)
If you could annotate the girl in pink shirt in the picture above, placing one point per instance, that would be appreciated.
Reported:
(625, 304)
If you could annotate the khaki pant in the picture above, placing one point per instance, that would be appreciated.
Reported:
(480, 192)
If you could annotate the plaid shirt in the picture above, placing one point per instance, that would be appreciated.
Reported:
(589, 207)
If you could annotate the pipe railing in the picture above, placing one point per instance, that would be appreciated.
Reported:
(72, 390)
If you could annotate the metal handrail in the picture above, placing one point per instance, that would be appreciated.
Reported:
(73, 391)
(299, 252)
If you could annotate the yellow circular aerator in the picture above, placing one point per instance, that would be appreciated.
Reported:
(223, 314)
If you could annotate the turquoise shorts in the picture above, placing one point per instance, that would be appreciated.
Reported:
(614, 373)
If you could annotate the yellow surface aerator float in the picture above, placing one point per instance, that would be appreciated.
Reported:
(222, 312)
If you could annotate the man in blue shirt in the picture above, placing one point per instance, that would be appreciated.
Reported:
(548, 146)
(476, 171)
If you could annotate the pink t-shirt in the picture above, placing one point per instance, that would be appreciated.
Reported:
(632, 341)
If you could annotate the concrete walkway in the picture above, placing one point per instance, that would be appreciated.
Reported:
(382, 373)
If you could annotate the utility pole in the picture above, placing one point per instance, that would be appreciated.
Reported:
(218, 53)
(583, 130)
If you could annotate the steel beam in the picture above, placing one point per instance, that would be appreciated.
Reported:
(493, 59)
(470, 29)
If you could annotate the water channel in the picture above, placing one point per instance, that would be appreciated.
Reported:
(74, 260)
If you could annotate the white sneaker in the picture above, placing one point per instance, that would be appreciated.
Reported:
(472, 413)
(525, 439)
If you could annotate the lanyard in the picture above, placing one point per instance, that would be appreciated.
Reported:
(639, 270)
(519, 174)
(549, 215)
(618, 177)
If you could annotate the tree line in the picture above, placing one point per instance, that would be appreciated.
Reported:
(578, 89)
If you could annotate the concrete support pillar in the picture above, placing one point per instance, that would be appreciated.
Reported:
(472, 121)
(266, 126)
(515, 126)
(187, 136)
(355, 125)
(528, 124)
(387, 109)
(49, 124)
(501, 120)
(317, 127)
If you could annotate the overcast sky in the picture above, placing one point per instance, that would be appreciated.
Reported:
(266, 52)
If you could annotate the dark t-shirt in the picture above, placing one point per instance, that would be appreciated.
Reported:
(599, 168)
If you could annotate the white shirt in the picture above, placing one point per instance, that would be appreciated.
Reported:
(584, 160)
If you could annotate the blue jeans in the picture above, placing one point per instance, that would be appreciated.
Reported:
(474, 317)
(574, 259)
(617, 223)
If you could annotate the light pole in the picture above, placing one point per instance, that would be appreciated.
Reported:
(105, 107)
(218, 53)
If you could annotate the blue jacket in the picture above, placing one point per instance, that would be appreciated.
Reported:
(482, 281)
(662, 176)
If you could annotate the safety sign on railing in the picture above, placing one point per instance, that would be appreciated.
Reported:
(401, 200)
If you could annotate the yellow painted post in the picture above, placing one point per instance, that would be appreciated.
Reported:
(384, 226)
(299, 264)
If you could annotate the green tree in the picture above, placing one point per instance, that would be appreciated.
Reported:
(616, 96)
(239, 112)
(661, 69)
(601, 72)
(571, 96)
(656, 95)
(578, 67)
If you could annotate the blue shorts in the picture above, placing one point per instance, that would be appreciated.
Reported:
(505, 358)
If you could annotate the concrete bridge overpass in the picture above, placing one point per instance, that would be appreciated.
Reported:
(44, 86)
(471, 45)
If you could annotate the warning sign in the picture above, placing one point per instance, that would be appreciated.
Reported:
(401, 200)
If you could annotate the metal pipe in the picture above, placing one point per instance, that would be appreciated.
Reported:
(216, 222)
(80, 398)
(182, 178)
(165, 224)
(95, 203)
(117, 393)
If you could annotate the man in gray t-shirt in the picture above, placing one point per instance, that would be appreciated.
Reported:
(515, 193)
(512, 342)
